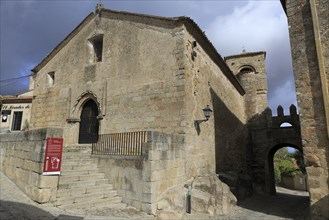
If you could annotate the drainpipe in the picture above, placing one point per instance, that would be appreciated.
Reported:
(188, 199)
(321, 62)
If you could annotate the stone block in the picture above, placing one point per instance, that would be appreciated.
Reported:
(169, 214)
(149, 198)
(154, 155)
(45, 182)
(41, 195)
(157, 175)
(149, 208)
(150, 187)
(200, 200)
(137, 204)
(163, 204)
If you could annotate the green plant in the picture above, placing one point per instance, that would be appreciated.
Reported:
(287, 164)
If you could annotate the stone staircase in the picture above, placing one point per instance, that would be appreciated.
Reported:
(81, 185)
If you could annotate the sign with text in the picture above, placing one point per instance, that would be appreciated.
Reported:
(53, 156)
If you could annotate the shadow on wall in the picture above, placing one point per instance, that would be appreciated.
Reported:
(13, 210)
(231, 137)
(232, 148)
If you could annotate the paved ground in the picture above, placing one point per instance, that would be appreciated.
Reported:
(287, 204)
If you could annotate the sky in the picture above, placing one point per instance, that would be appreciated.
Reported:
(30, 29)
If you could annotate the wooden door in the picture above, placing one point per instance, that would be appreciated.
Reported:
(88, 132)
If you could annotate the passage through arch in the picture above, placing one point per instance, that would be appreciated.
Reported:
(89, 125)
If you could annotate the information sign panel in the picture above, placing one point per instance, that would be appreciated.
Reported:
(53, 156)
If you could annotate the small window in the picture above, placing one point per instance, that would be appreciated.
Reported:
(4, 118)
(51, 78)
(17, 121)
(97, 46)
(246, 70)
(5, 115)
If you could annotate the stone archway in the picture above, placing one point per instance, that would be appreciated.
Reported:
(269, 166)
(76, 112)
(267, 138)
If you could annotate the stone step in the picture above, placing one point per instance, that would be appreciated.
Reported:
(79, 172)
(74, 184)
(95, 196)
(65, 167)
(81, 185)
(64, 201)
(79, 149)
(105, 202)
(70, 156)
(78, 160)
(114, 206)
(88, 197)
(100, 188)
(83, 190)
(73, 177)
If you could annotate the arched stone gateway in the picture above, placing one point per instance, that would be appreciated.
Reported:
(267, 138)
(269, 166)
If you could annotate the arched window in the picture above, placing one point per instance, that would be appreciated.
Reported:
(246, 70)
(89, 125)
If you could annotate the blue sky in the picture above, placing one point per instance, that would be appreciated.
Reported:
(30, 29)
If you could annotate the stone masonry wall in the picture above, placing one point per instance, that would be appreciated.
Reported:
(220, 143)
(310, 95)
(254, 83)
(21, 159)
(126, 175)
(137, 85)
(143, 181)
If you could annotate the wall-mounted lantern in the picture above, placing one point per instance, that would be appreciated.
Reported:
(207, 113)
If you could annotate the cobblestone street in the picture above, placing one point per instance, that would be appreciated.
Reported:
(287, 204)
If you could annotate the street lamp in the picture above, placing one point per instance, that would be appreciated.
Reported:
(207, 113)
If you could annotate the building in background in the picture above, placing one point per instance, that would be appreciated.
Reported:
(16, 112)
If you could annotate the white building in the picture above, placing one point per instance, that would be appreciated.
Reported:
(16, 112)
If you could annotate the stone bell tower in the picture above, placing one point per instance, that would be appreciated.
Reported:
(249, 68)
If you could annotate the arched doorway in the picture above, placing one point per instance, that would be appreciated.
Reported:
(89, 125)
(270, 171)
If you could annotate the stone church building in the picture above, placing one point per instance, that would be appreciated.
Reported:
(131, 94)
(121, 73)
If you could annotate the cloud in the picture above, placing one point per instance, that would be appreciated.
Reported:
(31, 29)
(253, 26)
(258, 26)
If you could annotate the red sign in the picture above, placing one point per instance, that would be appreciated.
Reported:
(53, 156)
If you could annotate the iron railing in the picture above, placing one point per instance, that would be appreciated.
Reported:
(127, 144)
